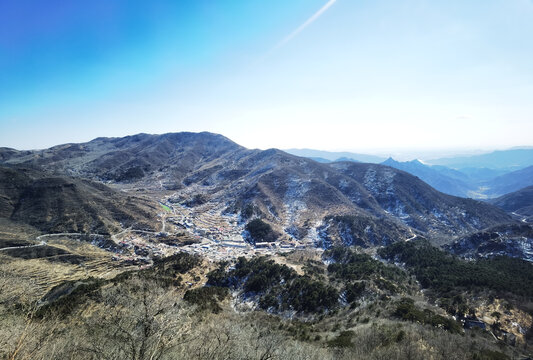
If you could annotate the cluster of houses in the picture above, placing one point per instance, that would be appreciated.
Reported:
(215, 236)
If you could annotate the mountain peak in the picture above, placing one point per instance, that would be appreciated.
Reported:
(390, 161)
(417, 162)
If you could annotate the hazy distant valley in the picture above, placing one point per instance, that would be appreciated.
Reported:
(357, 258)
(478, 176)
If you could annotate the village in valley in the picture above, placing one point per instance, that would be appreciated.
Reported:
(203, 230)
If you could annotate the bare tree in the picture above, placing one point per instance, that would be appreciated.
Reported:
(138, 321)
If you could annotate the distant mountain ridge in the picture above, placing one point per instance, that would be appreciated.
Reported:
(470, 184)
(336, 155)
(478, 176)
(498, 161)
(510, 182)
(510, 160)
(437, 177)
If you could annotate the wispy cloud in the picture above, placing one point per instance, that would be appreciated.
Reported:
(305, 24)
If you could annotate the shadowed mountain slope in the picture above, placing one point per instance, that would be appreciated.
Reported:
(519, 202)
(55, 204)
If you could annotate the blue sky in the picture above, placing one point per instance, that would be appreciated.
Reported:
(334, 75)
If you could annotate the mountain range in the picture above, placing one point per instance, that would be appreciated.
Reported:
(298, 196)
(480, 183)
(508, 160)
(326, 156)
(480, 176)
(446, 180)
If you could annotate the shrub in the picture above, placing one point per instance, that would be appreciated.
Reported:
(349, 265)
(406, 310)
(353, 291)
(278, 286)
(260, 231)
(344, 340)
(448, 275)
(207, 298)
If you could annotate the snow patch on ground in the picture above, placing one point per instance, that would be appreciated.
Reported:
(343, 184)
(294, 199)
(346, 235)
(370, 181)
(398, 210)
(383, 185)
(318, 235)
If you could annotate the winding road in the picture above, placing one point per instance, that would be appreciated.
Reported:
(524, 219)
(43, 242)
(23, 247)
(412, 237)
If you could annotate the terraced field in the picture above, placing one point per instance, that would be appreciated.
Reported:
(29, 273)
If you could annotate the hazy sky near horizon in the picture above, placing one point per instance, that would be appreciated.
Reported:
(353, 75)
